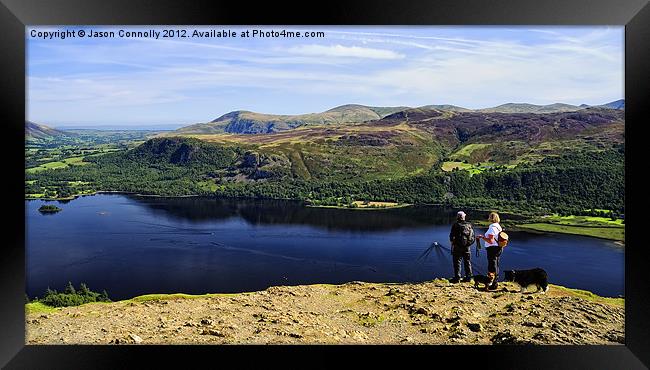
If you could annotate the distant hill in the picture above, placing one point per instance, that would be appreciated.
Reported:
(38, 131)
(384, 111)
(447, 107)
(530, 108)
(617, 104)
(246, 122)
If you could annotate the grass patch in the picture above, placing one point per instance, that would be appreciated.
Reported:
(54, 165)
(611, 233)
(448, 166)
(207, 185)
(370, 319)
(584, 221)
(64, 163)
(156, 297)
(75, 161)
(47, 166)
(590, 296)
(38, 307)
(473, 169)
(466, 151)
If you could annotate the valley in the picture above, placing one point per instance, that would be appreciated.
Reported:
(532, 164)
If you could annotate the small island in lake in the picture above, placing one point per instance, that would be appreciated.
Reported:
(49, 209)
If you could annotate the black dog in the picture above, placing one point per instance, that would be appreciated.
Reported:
(481, 279)
(524, 278)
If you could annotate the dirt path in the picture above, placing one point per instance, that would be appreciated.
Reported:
(434, 312)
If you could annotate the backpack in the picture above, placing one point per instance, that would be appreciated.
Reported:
(466, 234)
(502, 238)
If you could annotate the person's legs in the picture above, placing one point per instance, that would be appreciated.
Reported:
(493, 254)
(468, 265)
(456, 257)
(498, 259)
(491, 260)
(492, 264)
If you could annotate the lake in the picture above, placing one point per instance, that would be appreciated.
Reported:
(133, 245)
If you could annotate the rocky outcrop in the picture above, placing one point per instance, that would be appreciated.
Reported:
(434, 312)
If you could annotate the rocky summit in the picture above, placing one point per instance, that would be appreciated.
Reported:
(434, 312)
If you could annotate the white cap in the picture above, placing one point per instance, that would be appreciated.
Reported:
(461, 215)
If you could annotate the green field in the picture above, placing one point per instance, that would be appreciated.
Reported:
(584, 220)
(75, 161)
(47, 166)
(448, 166)
(611, 233)
(466, 151)
(473, 169)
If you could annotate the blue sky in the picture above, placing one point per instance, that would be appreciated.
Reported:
(144, 81)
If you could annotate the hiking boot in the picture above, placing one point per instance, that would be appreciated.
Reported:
(467, 279)
(455, 280)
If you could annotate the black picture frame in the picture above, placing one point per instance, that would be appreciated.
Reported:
(15, 15)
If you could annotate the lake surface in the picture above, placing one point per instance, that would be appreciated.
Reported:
(132, 245)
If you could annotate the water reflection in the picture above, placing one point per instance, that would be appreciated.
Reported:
(282, 212)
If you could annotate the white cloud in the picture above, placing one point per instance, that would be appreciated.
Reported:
(345, 51)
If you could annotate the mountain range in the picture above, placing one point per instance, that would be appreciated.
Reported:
(246, 122)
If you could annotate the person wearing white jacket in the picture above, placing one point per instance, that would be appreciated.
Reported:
(492, 248)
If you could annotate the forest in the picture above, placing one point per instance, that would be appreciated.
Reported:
(571, 183)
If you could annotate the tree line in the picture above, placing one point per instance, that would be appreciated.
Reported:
(571, 183)
(70, 296)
